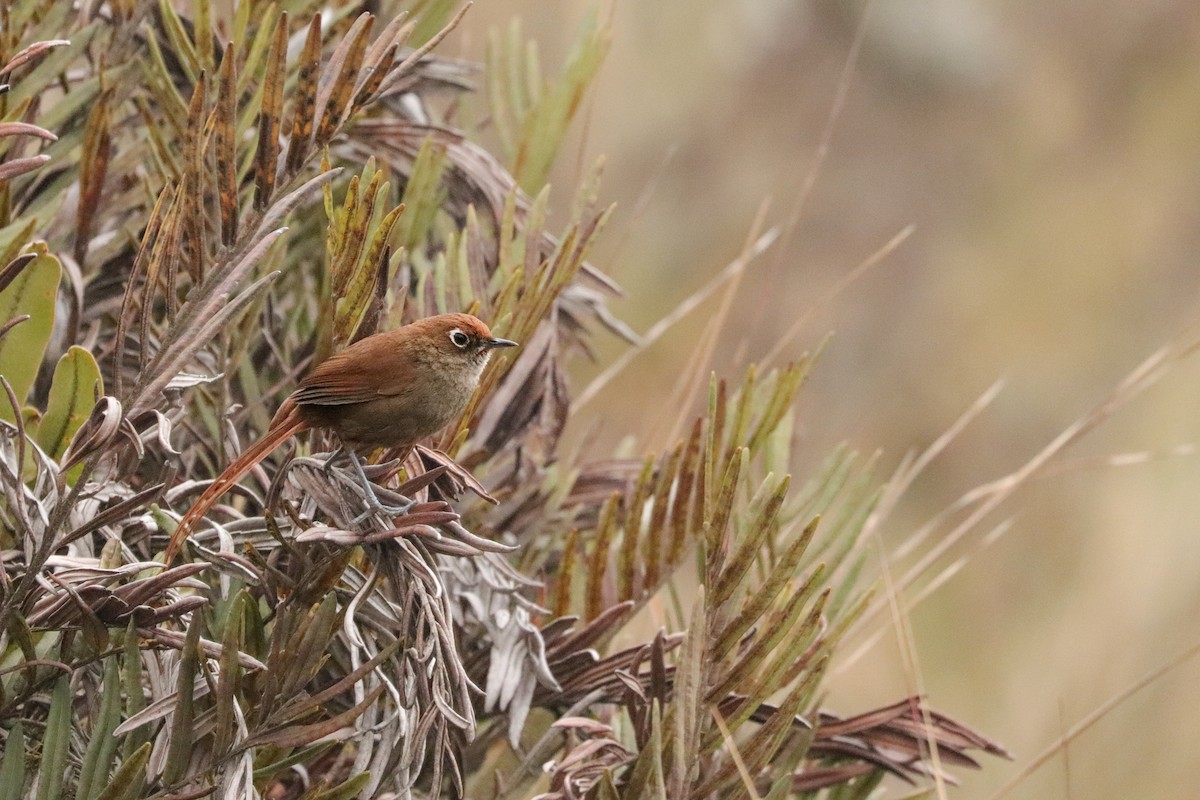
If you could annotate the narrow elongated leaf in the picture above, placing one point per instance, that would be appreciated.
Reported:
(135, 699)
(20, 166)
(249, 70)
(129, 302)
(306, 651)
(605, 533)
(183, 718)
(303, 735)
(422, 196)
(627, 566)
(646, 781)
(758, 602)
(341, 75)
(722, 509)
(270, 116)
(181, 44)
(351, 787)
(759, 528)
(777, 628)
(97, 146)
(160, 264)
(544, 125)
(12, 765)
(300, 143)
(226, 149)
(103, 745)
(227, 685)
(204, 34)
(130, 777)
(687, 709)
(56, 741)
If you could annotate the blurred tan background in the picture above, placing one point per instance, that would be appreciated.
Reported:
(1048, 155)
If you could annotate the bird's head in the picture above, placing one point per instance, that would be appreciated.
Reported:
(463, 336)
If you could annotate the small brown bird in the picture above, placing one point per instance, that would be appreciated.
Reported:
(391, 389)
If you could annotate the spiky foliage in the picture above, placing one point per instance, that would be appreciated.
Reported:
(223, 202)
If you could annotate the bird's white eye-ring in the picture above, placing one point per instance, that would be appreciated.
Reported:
(459, 339)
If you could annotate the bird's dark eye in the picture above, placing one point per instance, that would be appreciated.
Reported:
(459, 339)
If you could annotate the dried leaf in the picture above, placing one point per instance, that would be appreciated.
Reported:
(97, 147)
(300, 143)
(270, 116)
(338, 81)
(226, 149)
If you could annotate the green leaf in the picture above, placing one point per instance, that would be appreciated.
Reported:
(33, 292)
(56, 743)
(550, 112)
(183, 718)
(103, 745)
(423, 196)
(646, 779)
(14, 237)
(128, 780)
(181, 44)
(73, 392)
(135, 699)
(432, 16)
(226, 691)
(12, 767)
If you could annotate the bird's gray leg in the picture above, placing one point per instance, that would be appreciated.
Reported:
(333, 457)
(372, 499)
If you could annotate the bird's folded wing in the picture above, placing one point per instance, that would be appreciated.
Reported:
(340, 381)
(337, 391)
(363, 372)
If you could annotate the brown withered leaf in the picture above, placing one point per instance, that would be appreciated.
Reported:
(300, 141)
(97, 147)
(266, 162)
(336, 88)
(380, 58)
(225, 145)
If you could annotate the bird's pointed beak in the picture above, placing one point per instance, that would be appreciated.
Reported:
(493, 343)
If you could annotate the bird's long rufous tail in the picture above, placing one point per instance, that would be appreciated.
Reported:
(287, 423)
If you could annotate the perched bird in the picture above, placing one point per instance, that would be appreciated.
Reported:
(391, 389)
